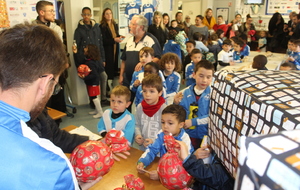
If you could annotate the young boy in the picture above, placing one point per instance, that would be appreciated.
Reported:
(287, 66)
(290, 47)
(225, 55)
(259, 62)
(172, 121)
(190, 45)
(197, 96)
(221, 25)
(245, 49)
(262, 42)
(148, 112)
(196, 56)
(118, 117)
(198, 37)
(295, 56)
(238, 53)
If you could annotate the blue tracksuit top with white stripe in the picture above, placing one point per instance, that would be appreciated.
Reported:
(201, 121)
(173, 83)
(189, 69)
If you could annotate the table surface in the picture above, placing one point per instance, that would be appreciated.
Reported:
(274, 59)
(55, 114)
(115, 177)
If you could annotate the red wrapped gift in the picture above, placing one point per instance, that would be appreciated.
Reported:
(132, 183)
(116, 141)
(170, 170)
(83, 70)
(91, 159)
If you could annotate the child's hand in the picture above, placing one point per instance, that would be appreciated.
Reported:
(138, 67)
(140, 167)
(153, 175)
(183, 150)
(74, 49)
(291, 59)
(139, 139)
(187, 123)
(81, 75)
(231, 63)
(118, 155)
(183, 81)
(202, 152)
(147, 142)
(178, 97)
(136, 83)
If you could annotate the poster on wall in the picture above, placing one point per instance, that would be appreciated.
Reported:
(20, 11)
(4, 22)
(282, 7)
(223, 12)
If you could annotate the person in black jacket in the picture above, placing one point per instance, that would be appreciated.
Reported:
(158, 29)
(211, 176)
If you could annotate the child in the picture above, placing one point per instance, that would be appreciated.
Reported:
(287, 66)
(290, 47)
(174, 25)
(170, 65)
(295, 56)
(245, 51)
(171, 45)
(221, 25)
(172, 121)
(262, 42)
(220, 34)
(197, 96)
(214, 47)
(197, 36)
(148, 112)
(259, 62)
(92, 80)
(238, 54)
(196, 56)
(190, 45)
(150, 68)
(225, 55)
(118, 117)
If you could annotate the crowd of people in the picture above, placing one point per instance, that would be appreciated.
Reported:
(153, 61)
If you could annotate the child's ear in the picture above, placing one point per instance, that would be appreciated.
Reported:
(160, 93)
(128, 104)
(194, 75)
(181, 125)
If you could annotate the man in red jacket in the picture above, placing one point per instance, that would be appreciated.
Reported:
(221, 25)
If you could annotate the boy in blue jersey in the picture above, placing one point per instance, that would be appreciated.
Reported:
(118, 117)
(195, 99)
(196, 56)
(172, 121)
(295, 56)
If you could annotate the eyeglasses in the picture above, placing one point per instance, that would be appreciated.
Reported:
(57, 87)
(51, 11)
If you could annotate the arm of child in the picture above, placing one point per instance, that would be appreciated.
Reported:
(129, 130)
(101, 126)
(139, 139)
(147, 142)
(202, 152)
(138, 67)
(178, 97)
(138, 123)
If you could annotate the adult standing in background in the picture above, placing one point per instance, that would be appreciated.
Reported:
(88, 32)
(236, 22)
(179, 19)
(248, 29)
(158, 29)
(209, 20)
(166, 20)
(198, 27)
(139, 39)
(187, 23)
(111, 39)
(275, 27)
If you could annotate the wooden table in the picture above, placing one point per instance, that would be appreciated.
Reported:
(115, 177)
(55, 114)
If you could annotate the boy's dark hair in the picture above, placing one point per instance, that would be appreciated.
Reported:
(204, 64)
(173, 21)
(195, 51)
(192, 42)
(291, 40)
(147, 50)
(172, 34)
(41, 4)
(289, 64)
(220, 16)
(121, 90)
(214, 37)
(167, 57)
(297, 42)
(239, 42)
(93, 52)
(153, 64)
(197, 36)
(243, 37)
(154, 81)
(227, 42)
(176, 110)
(234, 38)
(84, 8)
(259, 62)
(219, 32)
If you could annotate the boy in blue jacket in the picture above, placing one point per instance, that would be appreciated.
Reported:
(172, 121)
(195, 99)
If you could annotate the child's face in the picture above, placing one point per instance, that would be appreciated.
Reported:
(296, 48)
(282, 68)
(151, 95)
(203, 78)
(170, 66)
(118, 104)
(220, 20)
(222, 35)
(145, 58)
(262, 34)
(174, 24)
(170, 124)
(149, 70)
(290, 46)
(232, 42)
(237, 47)
(226, 47)
(189, 47)
(196, 57)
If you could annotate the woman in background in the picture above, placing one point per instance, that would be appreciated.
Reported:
(158, 29)
(198, 27)
(276, 31)
(209, 20)
(166, 20)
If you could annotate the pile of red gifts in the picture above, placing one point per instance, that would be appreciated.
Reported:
(170, 170)
(132, 183)
(91, 159)
(116, 141)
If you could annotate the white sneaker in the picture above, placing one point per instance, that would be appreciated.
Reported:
(93, 112)
(98, 115)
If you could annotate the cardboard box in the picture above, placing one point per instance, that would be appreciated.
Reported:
(251, 102)
(269, 162)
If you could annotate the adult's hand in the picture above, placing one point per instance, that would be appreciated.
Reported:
(121, 80)
(138, 67)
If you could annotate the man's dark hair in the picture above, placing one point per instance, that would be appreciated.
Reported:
(176, 110)
(41, 4)
(28, 52)
(86, 8)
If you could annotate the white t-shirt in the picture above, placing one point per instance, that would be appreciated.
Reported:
(225, 57)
